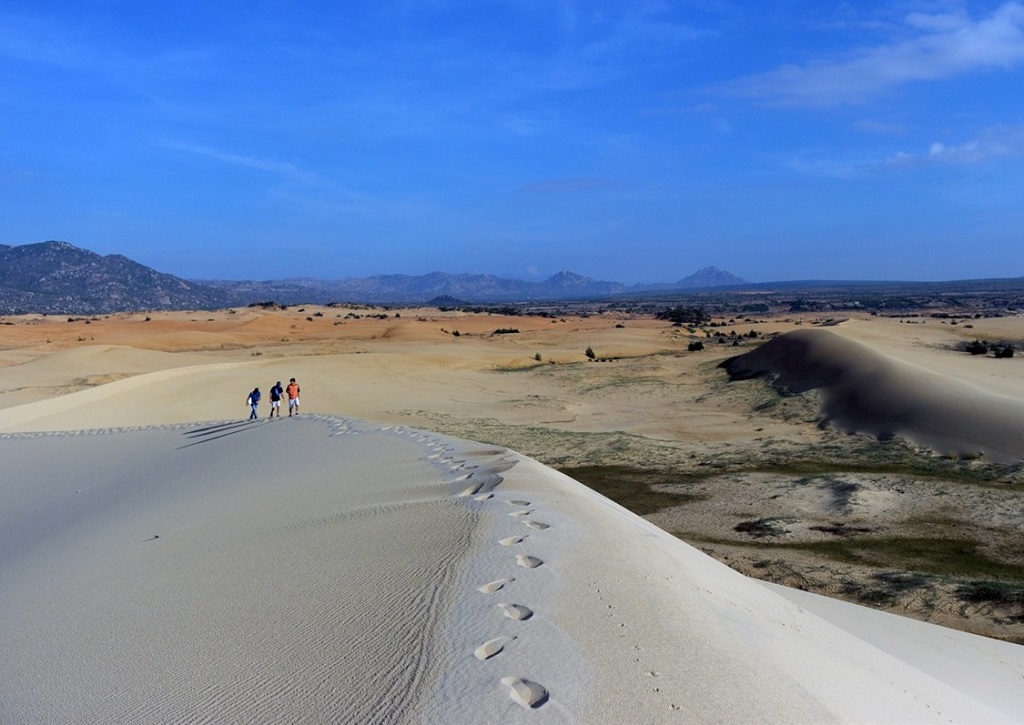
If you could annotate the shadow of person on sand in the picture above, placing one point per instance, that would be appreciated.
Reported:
(221, 430)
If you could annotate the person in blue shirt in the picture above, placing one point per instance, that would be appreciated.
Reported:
(254, 402)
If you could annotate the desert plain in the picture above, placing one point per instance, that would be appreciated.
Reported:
(885, 472)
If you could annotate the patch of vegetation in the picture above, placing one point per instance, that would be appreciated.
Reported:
(992, 593)
(762, 527)
(683, 463)
(902, 581)
(864, 594)
(534, 364)
(841, 529)
(896, 461)
(886, 588)
(506, 331)
(505, 310)
(683, 315)
(945, 557)
(631, 488)
(551, 446)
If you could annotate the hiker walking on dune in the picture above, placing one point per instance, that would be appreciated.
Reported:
(254, 401)
(276, 393)
(293, 398)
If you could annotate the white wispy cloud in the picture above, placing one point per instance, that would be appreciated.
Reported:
(994, 144)
(281, 168)
(998, 142)
(313, 193)
(930, 47)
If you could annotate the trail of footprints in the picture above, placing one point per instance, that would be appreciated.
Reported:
(527, 693)
(480, 486)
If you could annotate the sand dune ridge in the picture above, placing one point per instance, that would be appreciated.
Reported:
(865, 391)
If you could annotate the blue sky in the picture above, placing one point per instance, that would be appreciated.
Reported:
(630, 141)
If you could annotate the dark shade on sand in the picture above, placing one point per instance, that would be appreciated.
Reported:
(865, 391)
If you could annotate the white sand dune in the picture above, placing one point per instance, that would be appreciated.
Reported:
(864, 390)
(323, 569)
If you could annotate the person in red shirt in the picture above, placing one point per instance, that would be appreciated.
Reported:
(292, 391)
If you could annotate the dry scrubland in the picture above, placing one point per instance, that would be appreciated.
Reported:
(746, 472)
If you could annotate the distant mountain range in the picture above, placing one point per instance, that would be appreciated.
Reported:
(60, 278)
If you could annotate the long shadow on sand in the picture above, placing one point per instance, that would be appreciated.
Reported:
(213, 432)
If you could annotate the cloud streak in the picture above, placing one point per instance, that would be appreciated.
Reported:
(935, 46)
(998, 142)
(281, 168)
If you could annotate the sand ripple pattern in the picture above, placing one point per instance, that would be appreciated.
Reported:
(239, 586)
(474, 476)
(242, 584)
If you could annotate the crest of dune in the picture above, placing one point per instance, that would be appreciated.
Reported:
(865, 391)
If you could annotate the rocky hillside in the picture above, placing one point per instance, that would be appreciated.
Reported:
(60, 278)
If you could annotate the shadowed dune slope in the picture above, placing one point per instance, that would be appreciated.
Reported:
(865, 391)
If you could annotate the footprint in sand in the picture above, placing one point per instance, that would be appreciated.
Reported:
(519, 514)
(491, 587)
(536, 525)
(465, 476)
(526, 692)
(518, 503)
(512, 540)
(475, 488)
(528, 562)
(516, 611)
(483, 497)
(491, 647)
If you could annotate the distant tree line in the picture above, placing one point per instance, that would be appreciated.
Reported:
(683, 315)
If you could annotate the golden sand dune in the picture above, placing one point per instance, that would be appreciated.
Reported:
(864, 390)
